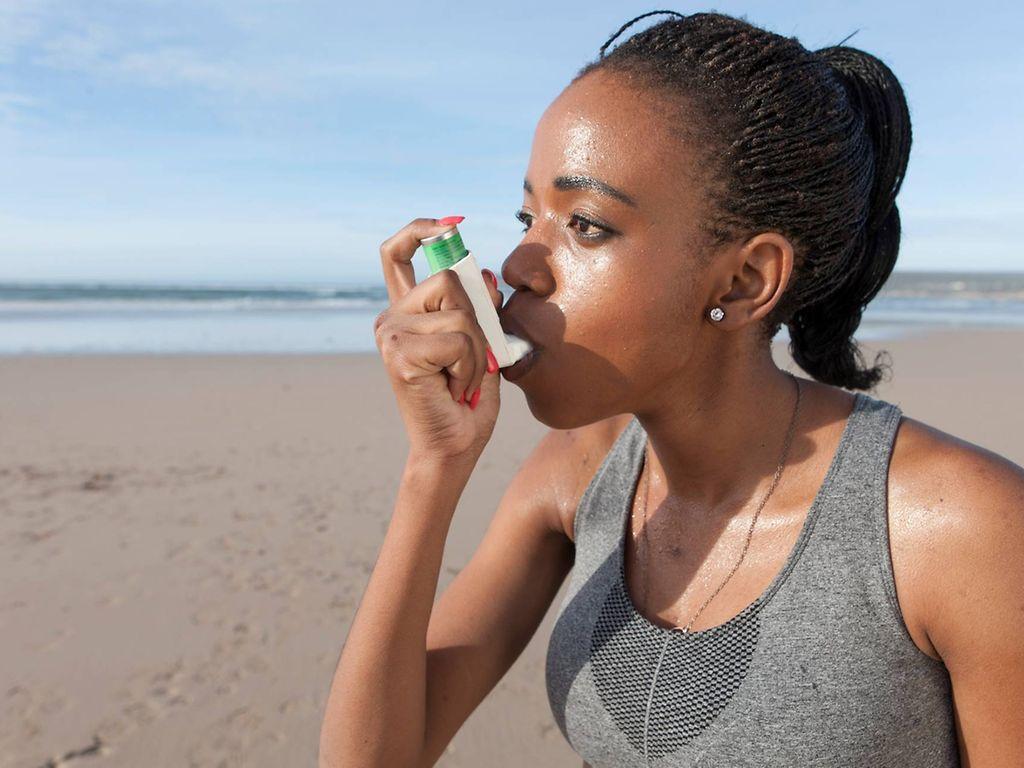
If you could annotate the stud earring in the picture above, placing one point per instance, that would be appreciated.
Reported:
(717, 314)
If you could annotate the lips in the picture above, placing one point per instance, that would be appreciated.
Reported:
(518, 369)
(525, 363)
(510, 325)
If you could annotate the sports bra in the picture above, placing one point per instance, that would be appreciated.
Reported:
(819, 670)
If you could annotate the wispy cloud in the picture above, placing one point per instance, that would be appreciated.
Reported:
(98, 53)
(12, 104)
(21, 21)
(238, 57)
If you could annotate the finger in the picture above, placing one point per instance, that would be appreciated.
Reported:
(451, 351)
(442, 290)
(470, 375)
(491, 281)
(397, 251)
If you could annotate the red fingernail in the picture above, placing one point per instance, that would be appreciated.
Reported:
(491, 277)
(492, 361)
(462, 398)
(450, 220)
(474, 399)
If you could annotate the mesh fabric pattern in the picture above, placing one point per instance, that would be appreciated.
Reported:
(696, 678)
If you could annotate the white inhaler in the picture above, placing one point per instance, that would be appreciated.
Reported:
(446, 251)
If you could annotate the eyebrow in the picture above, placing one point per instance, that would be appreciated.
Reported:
(586, 182)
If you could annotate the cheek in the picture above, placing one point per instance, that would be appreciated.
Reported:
(598, 302)
(626, 301)
(631, 319)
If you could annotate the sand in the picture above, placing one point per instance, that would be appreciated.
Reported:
(184, 540)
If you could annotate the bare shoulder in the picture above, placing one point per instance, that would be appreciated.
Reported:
(565, 461)
(955, 483)
(955, 508)
(957, 532)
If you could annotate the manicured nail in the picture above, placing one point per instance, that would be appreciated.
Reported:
(450, 220)
(462, 399)
(474, 399)
(492, 361)
(490, 276)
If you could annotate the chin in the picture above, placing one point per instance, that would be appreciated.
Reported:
(555, 409)
(572, 391)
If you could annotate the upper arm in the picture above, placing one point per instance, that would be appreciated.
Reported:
(489, 612)
(976, 615)
(486, 616)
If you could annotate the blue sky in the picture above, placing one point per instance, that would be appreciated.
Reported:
(258, 141)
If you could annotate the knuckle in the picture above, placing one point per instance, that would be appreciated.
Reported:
(389, 341)
(467, 319)
(405, 372)
(448, 279)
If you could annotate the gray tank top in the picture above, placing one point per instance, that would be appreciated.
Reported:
(818, 671)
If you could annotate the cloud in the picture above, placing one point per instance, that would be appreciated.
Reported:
(21, 21)
(12, 104)
(239, 64)
(172, 67)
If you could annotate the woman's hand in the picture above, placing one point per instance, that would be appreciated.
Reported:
(436, 353)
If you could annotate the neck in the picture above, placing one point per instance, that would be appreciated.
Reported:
(716, 435)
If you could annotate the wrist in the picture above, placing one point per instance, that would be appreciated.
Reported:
(429, 466)
(435, 482)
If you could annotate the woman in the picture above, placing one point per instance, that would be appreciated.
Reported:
(689, 192)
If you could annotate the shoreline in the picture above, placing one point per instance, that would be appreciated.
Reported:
(905, 334)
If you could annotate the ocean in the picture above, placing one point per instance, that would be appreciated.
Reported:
(109, 318)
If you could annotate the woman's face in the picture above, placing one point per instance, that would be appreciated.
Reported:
(608, 279)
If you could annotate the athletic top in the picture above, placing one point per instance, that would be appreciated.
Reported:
(819, 670)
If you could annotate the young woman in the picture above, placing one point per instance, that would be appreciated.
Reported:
(766, 570)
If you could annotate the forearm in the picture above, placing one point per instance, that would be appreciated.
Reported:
(375, 713)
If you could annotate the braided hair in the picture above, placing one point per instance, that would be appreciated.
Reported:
(811, 144)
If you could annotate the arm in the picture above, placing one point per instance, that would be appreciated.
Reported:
(976, 618)
(411, 673)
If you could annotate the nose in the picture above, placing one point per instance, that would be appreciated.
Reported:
(528, 268)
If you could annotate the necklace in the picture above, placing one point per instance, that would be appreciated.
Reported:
(750, 531)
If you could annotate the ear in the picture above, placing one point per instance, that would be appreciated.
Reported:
(757, 276)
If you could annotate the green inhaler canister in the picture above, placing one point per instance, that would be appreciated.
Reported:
(447, 251)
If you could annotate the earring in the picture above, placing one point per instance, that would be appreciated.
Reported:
(717, 314)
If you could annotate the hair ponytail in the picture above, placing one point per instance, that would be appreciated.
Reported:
(822, 331)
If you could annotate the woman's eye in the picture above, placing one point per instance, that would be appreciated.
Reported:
(589, 230)
(524, 217)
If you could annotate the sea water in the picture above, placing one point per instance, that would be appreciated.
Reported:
(106, 318)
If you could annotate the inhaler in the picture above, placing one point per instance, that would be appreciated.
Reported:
(446, 251)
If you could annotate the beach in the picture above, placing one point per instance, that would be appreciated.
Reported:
(185, 538)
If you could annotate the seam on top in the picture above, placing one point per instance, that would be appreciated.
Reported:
(589, 491)
(883, 558)
(847, 438)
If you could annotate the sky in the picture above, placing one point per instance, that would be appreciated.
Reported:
(259, 141)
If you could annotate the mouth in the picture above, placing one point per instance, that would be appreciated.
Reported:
(510, 325)
(520, 368)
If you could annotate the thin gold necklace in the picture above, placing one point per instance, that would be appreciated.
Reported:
(750, 531)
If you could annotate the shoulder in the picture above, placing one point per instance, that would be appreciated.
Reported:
(564, 462)
(960, 521)
(954, 487)
(957, 524)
